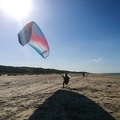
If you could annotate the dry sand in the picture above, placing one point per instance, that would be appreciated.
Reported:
(41, 97)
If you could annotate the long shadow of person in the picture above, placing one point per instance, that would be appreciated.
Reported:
(68, 105)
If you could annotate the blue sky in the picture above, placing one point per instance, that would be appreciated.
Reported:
(83, 35)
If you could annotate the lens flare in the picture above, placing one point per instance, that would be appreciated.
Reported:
(16, 8)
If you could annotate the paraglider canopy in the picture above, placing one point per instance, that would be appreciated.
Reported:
(31, 34)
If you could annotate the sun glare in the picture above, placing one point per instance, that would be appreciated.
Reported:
(16, 8)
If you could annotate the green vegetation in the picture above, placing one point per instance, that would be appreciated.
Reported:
(11, 70)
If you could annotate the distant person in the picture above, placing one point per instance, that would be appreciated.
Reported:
(83, 74)
(66, 78)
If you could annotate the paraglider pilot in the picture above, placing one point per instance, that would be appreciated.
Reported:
(83, 74)
(66, 79)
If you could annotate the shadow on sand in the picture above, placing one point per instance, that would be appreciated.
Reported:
(68, 105)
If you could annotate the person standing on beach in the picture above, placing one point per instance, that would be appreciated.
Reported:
(83, 74)
(66, 78)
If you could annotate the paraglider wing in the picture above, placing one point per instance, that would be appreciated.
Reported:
(31, 34)
(24, 35)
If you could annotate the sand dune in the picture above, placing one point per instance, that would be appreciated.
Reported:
(41, 97)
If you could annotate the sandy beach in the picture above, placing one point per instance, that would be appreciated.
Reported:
(41, 97)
